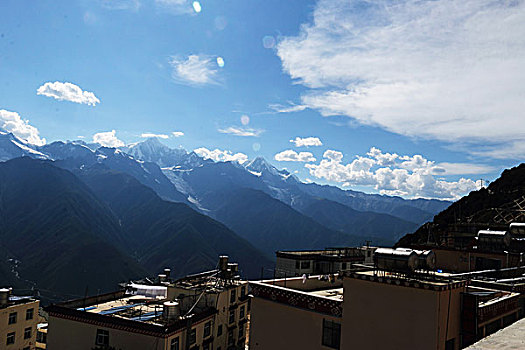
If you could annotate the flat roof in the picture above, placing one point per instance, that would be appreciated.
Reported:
(511, 337)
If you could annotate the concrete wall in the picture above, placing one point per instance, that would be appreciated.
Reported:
(387, 316)
(275, 326)
(463, 261)
(19, 327)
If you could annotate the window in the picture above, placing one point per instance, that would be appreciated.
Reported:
(233, 296)
(41, 337)
(331, 334)
(27, 348)
(207, 329)
(297, 265)
(10, 338)
(206, 346)
(174, 344)
(305, 265)
(27, 333)
(231, 339)
(219, 330)
(232, 316)
(241, 312)
(343, 266)
(243, 291)
(102, 337)
(241, 331)
(193, 336)
(12, 318)
(29, 314)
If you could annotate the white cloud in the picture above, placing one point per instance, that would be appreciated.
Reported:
(393, 174)
(279, 108)
(218, 155)
(177, 133)
(67, 92)
(241, 131)
(465, 168)
(195, 70)
(443, 69)
(108, 139)
(306, 141)
(292, 156)
(160, 136)
(13, 123)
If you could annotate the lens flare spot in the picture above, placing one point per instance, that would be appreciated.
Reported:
(220, 61)
(256, 147)
(197, 6)
(268, 42)
(220, 22)
(245, 120)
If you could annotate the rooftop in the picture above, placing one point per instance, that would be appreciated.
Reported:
(511, 337)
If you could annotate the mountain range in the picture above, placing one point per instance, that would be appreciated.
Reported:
(147, 206)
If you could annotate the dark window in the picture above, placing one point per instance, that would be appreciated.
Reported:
(232, 316)
(231, 339)
(218, 348)
(241, 312)
(219, 330)
(233, 296)
(41, 337)
(12, 318)
(27, 348)
(331, 334)
(29, 314)
(241, 331)
(193, 336)
(102, 337)
(450, 344)
(206, 346)
(243, 291)
(305, 265)
(343, 266)
(27, 333)
(174, 344)
(207, 329)
(297, 265)
(368, 253)
(10, 338)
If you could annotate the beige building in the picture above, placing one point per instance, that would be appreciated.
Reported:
(404, 308)
(18, 321)
(205, 311)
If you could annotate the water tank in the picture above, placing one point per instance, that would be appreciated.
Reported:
(4, 296)
(162, 278)
(223, 262)
(397, 260)
(426, 260)
(493, 239)
(171, 310)
(517, 228)
(167, 272)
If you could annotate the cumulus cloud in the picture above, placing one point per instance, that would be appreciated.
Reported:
(306, 141)
(13, 123)
(393, 174)
(107, 139)
(221, 155)
(177, 133)
(441, 69)
(196, 70)
(160, 136)
(67, 92)
(292, 156)
(241, 131)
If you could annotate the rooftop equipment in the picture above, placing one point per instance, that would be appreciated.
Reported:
(493, 239)
(167, 272)
(4, 296)
(396, 260)
(517, 229)
(171, 310)
(223, 263)
(426, 260)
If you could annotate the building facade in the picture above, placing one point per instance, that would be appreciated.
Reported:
(18, 321)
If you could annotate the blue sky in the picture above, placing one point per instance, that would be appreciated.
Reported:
(410, 98)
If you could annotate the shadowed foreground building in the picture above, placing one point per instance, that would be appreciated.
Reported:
(204, 311)
(400, 308)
